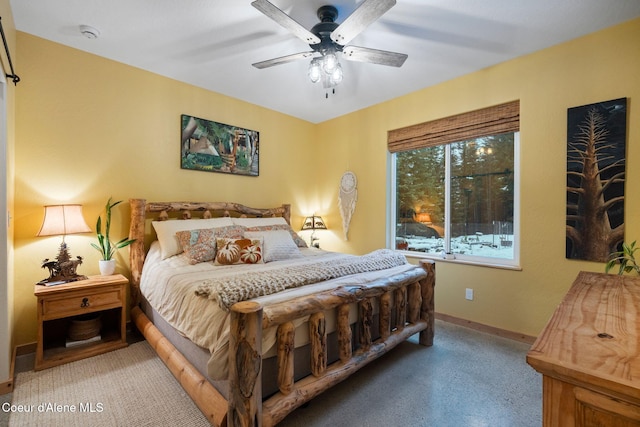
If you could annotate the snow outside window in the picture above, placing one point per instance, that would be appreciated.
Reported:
(457, 201)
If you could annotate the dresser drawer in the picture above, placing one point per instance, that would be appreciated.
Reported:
(80, 303)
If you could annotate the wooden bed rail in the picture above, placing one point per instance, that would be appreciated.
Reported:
(410, 296)
(210, 402)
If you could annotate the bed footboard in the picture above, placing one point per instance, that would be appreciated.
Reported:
(406, 307)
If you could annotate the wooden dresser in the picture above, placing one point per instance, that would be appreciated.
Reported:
(589, 354)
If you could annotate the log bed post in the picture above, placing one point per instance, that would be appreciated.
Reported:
(400, 305)
(245, 365)
(385, 315)
(286, 346)
(318, 341)
(136, 249)
(366, 321)
(427, 309)
(344, 333)
(414, 300)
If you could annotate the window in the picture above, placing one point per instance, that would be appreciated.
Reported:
(457, 198)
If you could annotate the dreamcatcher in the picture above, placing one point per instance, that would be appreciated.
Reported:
(347, 199)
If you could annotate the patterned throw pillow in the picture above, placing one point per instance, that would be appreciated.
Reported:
(166, 232)
(297, 239)
(230, 231)
(198, 245)
(238, 251)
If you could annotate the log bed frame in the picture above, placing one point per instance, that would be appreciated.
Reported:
(410, 295)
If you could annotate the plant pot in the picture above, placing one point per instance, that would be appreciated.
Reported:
(108, 267)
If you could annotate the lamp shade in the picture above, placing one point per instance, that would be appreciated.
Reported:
(313, 222)
(62, 220)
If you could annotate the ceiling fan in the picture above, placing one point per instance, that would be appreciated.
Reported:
(327, 38)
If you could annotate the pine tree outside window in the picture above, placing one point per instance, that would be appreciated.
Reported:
(457, 199)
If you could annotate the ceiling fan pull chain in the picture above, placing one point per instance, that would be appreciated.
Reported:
(333, 92)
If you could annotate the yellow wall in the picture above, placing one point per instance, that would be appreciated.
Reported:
(599, 67)
(89, 128)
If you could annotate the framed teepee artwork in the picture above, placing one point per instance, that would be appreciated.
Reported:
(216, 147)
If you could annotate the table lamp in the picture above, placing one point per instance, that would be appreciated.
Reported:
(314, 223)
(62, 220)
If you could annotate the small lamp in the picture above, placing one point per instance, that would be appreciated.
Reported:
(314, 223)
(62, 220)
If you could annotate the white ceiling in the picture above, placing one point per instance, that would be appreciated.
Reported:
(212, 43)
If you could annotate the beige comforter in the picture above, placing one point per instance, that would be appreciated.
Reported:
(169, 285)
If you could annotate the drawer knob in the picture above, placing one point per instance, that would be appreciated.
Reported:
(85, 302)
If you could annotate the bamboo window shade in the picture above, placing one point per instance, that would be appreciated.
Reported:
(493, 120)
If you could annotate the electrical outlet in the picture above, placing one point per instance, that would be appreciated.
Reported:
(469, 294)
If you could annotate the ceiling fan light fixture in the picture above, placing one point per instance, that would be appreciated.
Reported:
(336, 75)
(326, 68)
(329, 62)
(315, 71)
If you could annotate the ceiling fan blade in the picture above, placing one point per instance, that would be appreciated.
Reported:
(283, 60)
(286, 21)
(368, 12)
(373, 56)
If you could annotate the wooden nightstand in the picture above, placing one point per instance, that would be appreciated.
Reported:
(59, 304)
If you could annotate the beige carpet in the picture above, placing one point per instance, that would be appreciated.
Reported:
(110, 385)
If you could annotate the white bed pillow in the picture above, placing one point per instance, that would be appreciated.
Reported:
(278, 244)
(166, 232)
(268, 224)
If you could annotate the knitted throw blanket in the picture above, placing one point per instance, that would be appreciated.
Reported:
(230, 290)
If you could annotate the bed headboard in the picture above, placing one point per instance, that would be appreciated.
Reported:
(141, 211)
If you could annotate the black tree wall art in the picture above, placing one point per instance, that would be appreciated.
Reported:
(596, 139)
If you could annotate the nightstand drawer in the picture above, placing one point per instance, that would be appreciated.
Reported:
(81, 303)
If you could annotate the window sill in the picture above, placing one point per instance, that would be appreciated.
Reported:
(450, 259)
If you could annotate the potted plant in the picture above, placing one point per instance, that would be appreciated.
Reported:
(106, 248)
(626, 258)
